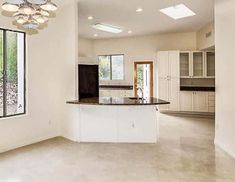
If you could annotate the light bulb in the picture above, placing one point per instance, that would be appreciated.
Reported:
(42, 19)
(44, 13)
(49, 6)
(10, 7)
(28, 10)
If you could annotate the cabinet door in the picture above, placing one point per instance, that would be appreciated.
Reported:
(137, 125)
(98, 129)
(163, 90)
(163, 64)
(185, 64)
(174, 70)
(186, 101)
(174, 85)
(198, 64)
(210, 64)
(200, 101)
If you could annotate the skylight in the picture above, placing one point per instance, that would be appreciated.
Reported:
(107, 28)
(178, 11)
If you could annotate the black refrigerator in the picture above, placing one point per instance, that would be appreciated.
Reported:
(88, 81)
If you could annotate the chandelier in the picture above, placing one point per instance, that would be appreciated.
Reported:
(29, 14)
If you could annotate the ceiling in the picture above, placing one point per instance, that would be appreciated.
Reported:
(122, 13)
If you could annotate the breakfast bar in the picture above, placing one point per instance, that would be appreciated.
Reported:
(118, 119)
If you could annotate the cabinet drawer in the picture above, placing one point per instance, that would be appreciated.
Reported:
(212, 109)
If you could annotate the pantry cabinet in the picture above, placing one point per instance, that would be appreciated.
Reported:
(168, 79)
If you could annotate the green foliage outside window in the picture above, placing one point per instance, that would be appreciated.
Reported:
(11, 56)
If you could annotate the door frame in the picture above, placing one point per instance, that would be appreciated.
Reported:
(151, 75)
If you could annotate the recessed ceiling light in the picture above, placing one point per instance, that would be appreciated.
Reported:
(90, 17)
(178, 11)
(130, 31)
(107, 28)
(95, 35)
(139, 10)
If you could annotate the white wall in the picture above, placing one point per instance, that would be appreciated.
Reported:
(51, 57)
(204, 42)
(225, 83)
(85, 47)
(143, 48)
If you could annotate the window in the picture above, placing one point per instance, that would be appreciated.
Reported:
(111, 67)
(12, 73)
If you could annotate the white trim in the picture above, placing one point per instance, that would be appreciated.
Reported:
(225, 148)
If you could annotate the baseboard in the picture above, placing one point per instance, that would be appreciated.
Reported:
(190, 114)
(225, 148)
(26, 142)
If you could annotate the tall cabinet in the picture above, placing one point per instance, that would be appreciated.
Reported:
(168, 78)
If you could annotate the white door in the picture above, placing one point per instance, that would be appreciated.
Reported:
(174, 58)
(186, 101)
(163, 63)
(174, 94)
(200, 102)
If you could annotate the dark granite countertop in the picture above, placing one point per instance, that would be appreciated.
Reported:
(118, 101)
(116, 87)
(198, 88)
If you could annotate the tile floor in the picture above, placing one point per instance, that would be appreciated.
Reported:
(185, 153)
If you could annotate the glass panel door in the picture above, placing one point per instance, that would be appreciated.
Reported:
(198, 64)
(184, 64)
(1, 73)
(210, 64)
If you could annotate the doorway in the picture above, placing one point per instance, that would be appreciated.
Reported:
(143, 76)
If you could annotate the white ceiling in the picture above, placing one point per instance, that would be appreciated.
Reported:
(122, 13)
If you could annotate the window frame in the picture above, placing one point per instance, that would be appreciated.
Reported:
(4, 56)
(111, 67)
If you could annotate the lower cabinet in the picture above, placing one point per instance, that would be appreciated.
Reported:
(197, 101)
(118, 124)
(186, 101)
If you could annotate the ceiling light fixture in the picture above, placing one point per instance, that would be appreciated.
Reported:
(95, 35)
(90, 18)
(30, 13)
(139, 10)
(130, 32)
(178, 11)
(107, 28)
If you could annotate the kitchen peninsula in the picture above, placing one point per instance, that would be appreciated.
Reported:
(117, 119)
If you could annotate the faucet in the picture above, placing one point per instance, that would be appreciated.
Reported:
(142, 93)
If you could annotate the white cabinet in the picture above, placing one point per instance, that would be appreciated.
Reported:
(186, 101)
(136, 127)
(200, 101)
(192, 64)
(197, 101)
(211, 102)
(198, 64)
(168, 79)
(118, 124)
(210, 64)
(185, 65)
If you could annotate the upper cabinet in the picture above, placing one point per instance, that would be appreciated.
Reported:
(185, 64)
(210, 64)
(197, 64)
